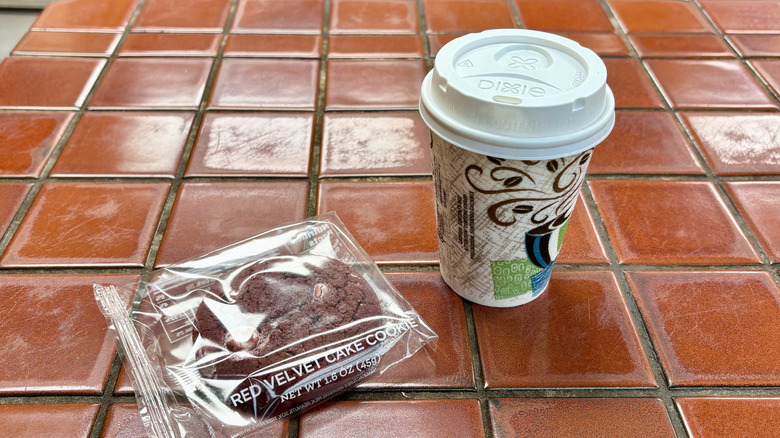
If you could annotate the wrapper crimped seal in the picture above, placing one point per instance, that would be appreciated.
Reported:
(227, 343)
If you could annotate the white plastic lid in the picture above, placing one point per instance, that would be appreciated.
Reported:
(518, 94)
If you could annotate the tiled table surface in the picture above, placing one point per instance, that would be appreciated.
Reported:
(134, 134)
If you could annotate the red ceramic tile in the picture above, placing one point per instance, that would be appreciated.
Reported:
(374, 84)
(397, 226)
(123, 385)
(708, 84)
(223, 213)
(670, 222)
(273, 16)
(582, 245)
(644, 143)
(47, 82)
(436, 42)
(712, 328)
(170, 44)
(725, 417)
(373, 16)
(266, 84)
(55, 340)
(769, 69)
(671, 46)
(559, 339)
(124, 421)
(253, 144)
(596, 417)
(757, 45)
(659, 16)
(450, 365)
(85, 224)
(125, 144)
(27, 139)
(67, 43)
(630, 85)
(453, 16)
(745, 16)
(201, 15)
(390, 419)
(86, 15)
(12, 195)
(48, 420)
(375, 46)
(564, 15)
(604, 44)
(153, 83)
(297, 46)
(737, 143)
(757, 201)
(375, 144)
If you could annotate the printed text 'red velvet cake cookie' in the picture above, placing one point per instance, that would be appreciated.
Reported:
(296, 329)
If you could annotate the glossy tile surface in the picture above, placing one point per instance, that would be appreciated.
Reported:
(564, 15)
(386, 227)
(203, 15)
(450, 365)
(381, 84)
(617, 417)
(630, 85)
(253, 144)
(273, 16)
(125, 144)
(722, 417)
(757, 45)
(708, 84)
(55, 339)
(604, 44)
(123, 421)
(563, 332)
(27, 139)
(170, 44)
(463, 16)
(757, 201)
(91, 15)
(67, 43)
(705, 333)
(293, 46)
(153, 84)
(653, 16)
(266, 84)
(12, 195)
(744, 16)
(644, 143)
(676, 46)
(581, 244)
(42, 82)
(48, 420)
(665, 222)
(222, 213)
(375, 144)
(109, 224)
(375, 46)
(372, 16)
(387, 419)
(737, 143)
(769, 69)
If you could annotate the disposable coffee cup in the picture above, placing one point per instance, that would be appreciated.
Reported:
(515, 115)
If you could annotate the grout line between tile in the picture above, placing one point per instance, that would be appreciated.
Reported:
(319, 116)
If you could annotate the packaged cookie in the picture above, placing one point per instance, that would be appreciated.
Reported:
(224, 344)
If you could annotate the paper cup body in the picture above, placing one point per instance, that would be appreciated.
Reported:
(514, 116)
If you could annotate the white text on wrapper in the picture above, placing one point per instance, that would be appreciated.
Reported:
(297, 372)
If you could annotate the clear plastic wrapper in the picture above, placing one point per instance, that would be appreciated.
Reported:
(224, 344)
